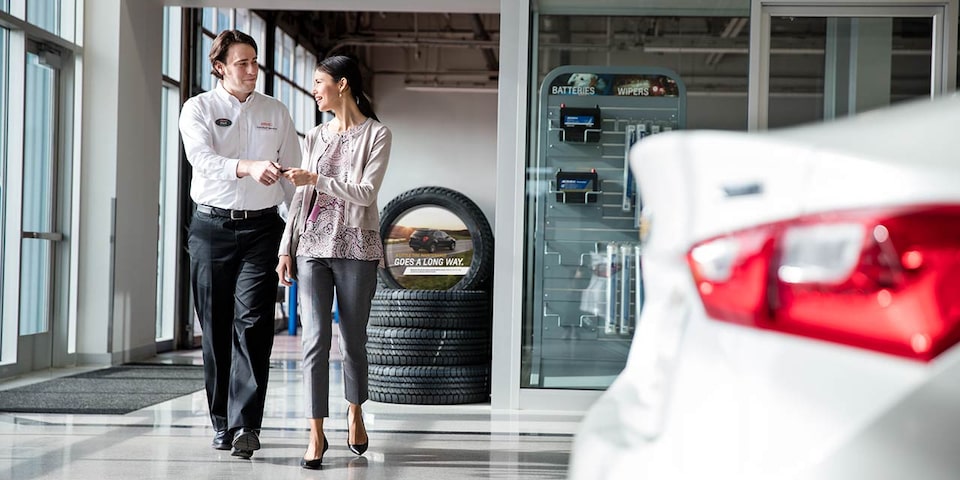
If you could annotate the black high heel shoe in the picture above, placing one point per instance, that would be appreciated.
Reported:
(357, 448)
(317, 463)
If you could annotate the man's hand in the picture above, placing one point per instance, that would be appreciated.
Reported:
(301, 177)
(285, 270)
(263, 171)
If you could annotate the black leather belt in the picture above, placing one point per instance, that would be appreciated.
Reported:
(234, 214)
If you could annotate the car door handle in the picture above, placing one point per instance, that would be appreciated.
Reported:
(52, 236)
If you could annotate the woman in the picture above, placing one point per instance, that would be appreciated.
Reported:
(333, 230)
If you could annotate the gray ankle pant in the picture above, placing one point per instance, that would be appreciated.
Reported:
(356, 283)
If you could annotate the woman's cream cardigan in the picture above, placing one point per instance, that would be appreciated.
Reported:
(371, 152)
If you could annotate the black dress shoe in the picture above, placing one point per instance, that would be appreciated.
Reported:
(245, 441)
(317, 463)
(220, 441)
(244, 454)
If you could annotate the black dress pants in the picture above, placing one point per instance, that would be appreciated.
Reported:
(233, 275)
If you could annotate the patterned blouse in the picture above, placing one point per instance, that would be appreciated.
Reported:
(325, 235)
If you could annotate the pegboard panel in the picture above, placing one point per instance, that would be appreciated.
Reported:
(583, 257)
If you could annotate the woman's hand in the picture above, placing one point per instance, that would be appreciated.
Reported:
(285, 270)
(300, 177)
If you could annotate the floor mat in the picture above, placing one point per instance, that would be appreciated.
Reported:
(115, 390)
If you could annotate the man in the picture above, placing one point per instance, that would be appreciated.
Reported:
(237, 141)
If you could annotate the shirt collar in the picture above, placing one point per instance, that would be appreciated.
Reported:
(226, 96)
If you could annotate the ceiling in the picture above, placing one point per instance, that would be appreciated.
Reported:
(462, 49)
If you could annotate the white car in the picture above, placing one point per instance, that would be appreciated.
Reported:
(802, 306)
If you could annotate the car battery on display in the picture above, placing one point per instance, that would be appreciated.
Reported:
(580, 124)
(577, 187)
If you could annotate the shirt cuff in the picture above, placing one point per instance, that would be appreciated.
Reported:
(230, 168)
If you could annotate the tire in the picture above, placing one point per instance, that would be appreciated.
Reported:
(402, 297)
(480, 312)
(383, 384)
(431, 309)
(399, 396)
(424, 334)
(432, 248)
(416, 358)
(469, 213)
(453, 246)
(431, 345)
(432, 321)
(470, 373)
(478, 380)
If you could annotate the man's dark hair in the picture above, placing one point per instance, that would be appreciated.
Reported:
(221, 45)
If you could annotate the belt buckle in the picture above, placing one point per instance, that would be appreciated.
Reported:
(234, 216)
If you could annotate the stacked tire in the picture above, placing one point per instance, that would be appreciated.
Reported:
(429, 347)
(432, 347)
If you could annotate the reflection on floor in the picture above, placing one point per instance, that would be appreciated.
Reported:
(171, 440)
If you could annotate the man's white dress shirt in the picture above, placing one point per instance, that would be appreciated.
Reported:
(218, 131)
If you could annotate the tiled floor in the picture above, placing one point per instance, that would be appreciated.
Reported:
(171, 440)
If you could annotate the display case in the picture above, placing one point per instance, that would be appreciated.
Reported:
(583, 285)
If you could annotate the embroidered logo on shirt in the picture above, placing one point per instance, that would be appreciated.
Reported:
(266, 126)
(223, 122)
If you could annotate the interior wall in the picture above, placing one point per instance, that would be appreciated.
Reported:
(120, 158)
(717, 112)
(512, 103)
(446, 139)
(729, 112)
(138, 181)
(97, 166)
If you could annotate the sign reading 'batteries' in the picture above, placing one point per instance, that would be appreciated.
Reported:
(622, 85)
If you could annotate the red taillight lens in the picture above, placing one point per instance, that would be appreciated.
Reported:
(425, 239)
(887, 280)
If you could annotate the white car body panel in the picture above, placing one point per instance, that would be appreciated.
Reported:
(700, 398)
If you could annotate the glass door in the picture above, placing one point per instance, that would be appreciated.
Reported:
(4, 33)
(812, 61)
(40, 234)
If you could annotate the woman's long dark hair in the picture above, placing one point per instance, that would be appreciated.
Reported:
(341, 66)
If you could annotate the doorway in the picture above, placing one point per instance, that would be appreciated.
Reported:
(35, 208)
(862, 57)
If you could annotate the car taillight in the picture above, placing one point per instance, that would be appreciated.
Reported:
(424, 239)
(882, 279)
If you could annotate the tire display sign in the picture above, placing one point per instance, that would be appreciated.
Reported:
(428, 336)
(435, 239)
(429, 242)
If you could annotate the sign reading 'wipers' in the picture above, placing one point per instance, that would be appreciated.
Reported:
(623, 85)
